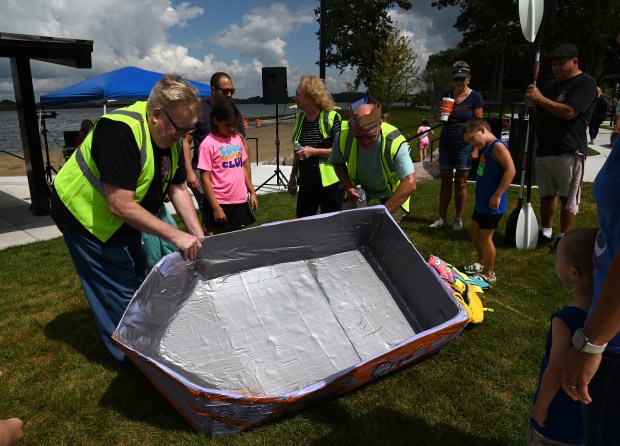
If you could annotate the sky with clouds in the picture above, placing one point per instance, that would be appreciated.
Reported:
(200, 37)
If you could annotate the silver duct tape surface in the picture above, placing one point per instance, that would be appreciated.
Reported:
(273, 318)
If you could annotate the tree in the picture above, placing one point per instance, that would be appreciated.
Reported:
(354, 30)
(394, 71)
(592, 25)
(492, 34)
(499, 54)
(437, 76)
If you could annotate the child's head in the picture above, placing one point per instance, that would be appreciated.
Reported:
(477, 132)
(224, 117)
(574, 255)
(424, 122)
(86, 125)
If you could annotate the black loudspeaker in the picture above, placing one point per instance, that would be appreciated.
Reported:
(274, 85)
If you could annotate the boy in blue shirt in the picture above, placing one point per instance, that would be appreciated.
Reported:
(495, 173)
(555, 418)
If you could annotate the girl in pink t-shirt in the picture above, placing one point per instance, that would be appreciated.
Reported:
(423, 144)
(224, 177)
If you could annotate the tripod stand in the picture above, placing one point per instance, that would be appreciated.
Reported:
(48, 166)
(277, 173)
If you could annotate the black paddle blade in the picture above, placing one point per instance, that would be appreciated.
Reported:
(510, 233)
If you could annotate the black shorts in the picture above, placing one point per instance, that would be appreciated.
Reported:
(237, 216)
(486, 221)
(327, 199)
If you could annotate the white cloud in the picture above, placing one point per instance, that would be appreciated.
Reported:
(430, 31)
(261, 33)
(141, 33)
(124, 33)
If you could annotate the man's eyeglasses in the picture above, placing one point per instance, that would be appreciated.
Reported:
(179, 131)
(226, 91)
(369, 136)
(458, 79)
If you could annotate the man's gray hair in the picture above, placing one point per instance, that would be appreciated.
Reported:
(171, 90)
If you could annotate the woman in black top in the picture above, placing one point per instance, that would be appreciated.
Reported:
(316, 126)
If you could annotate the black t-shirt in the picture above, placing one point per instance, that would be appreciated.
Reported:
(117, 156)
(309, 173)
(557, 136)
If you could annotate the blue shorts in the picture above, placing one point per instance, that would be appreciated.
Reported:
(458, 159)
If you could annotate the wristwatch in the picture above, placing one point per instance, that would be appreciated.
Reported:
(582, 343)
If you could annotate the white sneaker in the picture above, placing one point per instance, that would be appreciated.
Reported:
(490, 280)
(457, 225)
(474, 268)
(437, 223)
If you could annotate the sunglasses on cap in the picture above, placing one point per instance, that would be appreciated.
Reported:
(226, 91)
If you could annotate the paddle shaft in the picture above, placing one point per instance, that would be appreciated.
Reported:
(425, 131)
(531, 14)
(527, 151)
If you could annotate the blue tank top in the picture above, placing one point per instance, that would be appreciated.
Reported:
(488, 176)
(565, 422)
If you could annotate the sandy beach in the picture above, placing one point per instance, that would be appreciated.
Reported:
(265, 141)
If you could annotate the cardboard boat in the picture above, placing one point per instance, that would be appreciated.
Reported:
(272, 319)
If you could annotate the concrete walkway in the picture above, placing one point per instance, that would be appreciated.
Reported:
(19, 226)
(594, 163)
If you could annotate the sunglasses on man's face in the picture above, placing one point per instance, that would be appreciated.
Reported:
(179, 131)
(226, 91)
(369, 136)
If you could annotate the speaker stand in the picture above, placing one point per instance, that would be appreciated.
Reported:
(278, 174)
(48, 166)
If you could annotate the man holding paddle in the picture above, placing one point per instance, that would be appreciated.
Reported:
(562, 111)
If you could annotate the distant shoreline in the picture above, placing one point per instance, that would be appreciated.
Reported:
(261, 139)
(8, 105)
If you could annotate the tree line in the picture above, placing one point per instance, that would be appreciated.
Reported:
(362, 35)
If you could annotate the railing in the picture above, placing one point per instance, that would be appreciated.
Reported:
(12, 154)
(256, 145)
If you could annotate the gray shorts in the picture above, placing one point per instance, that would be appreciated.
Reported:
(554, 174)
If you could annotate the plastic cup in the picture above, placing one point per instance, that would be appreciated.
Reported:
(446, 108)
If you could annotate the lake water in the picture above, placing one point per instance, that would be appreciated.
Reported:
(70, 119)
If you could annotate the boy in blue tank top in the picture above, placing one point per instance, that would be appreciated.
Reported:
(555, 418)
(495, 173)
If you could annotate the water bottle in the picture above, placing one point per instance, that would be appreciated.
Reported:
(359, 191)
(298, 147)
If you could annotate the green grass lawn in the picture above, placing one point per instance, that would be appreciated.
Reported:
(477, 391)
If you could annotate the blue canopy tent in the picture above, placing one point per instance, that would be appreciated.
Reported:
(124, 83)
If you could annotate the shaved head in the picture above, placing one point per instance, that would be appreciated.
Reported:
(364, 109)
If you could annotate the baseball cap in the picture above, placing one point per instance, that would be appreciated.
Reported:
(563, 51)
(460, 72)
